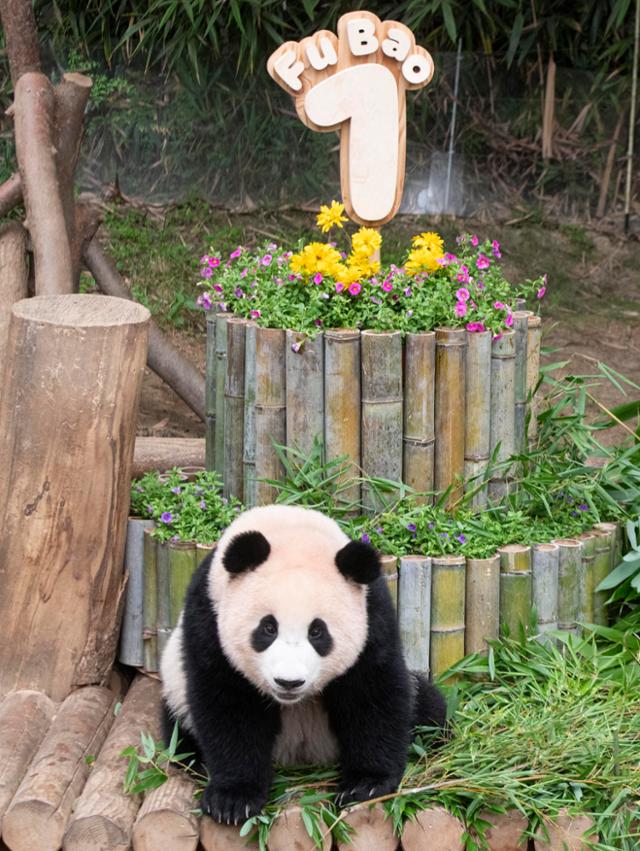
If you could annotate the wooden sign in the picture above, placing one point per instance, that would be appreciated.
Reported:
(355, 82)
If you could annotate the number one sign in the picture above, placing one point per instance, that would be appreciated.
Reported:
(355, 82)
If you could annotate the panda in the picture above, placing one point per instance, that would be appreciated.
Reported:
(287, 650)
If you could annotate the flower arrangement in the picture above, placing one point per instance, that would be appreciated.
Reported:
(343, 285)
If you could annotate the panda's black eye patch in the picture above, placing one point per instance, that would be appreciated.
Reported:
(320, 637)
(264, 634)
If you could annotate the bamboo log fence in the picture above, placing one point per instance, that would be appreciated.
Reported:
(429, 410)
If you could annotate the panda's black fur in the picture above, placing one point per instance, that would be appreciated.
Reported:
(371, 708)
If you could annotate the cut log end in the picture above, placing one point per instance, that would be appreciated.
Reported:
(81, 311)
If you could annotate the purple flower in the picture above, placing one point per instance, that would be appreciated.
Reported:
(235, 254)
(166, 517)
(339, 287)
(204, 301)
(462, 294)
(254, 314)
(541, 292)
(461, 309)
(176, 489)
(474, 240)
(462, 538)
(244, 273)
(463, 275)
(365, 538)
(408, 292)
(295, 347)
(483, 261)
(217, 288)
(431, 526)
(411, 527)
(266, 260)
(379, 530)
(175, 538)
(475, 327)
(238, 292)
(444, 534)
(291, 277)
(583, 506)
(409, 313)
(203, 504)
(206, 272)
(495, 248)
(204, 259)
(149, 509)
(317, 278)
(317, 323)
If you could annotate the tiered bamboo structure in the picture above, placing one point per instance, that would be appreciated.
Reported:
(586, 608)
(482, 606)
(569, 570)
(219, 379)
(414, 610)
(606, 557)
(249, 451)
(419, 411)
(503, 418)
(210, 393)
(305, 389)
(544, 566)
(390, 571)
(150, 603)
(270, 410)
(477, 441)
(447, 612)
(234, 409)
(516, 587)
(131, 650)
(449, 410)
(521, 333)
(534, 337)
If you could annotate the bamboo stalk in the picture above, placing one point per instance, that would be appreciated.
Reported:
(342, 403)
(390, 570)
(163, 570)
(182, 564)
(305, 389)
(545, 559)
(503, 390)
(249, 452)
(569, 568)
(270, 409)
(131, 650)
(210, 393)
(447, 612)
(449, 410)
(602, 565)
(521, 331)
(534, 337)
(586, 609)
(234, 408)
(477, 412)
(381, 381)
(414, 610)
(515, 587)
(482, 605)
(221, 374)
(419, 410)
(203, 550)
(150, 603)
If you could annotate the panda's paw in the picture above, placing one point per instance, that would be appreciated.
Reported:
(364, 789)
(231, 805)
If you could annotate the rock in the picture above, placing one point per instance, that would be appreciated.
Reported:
(433, 828)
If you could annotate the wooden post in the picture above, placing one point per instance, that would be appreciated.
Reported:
(25, 717)
(221, 376)
(104, 814)
(305, 389)
(447, 612)
(414, 610)
(64, 493)
(182, 565)
(13, 279)
(449, 410)
(234, 409)
(390, 571)
(131, 650)
(249, 450)
(166, 818)
(419, 412)
(342, 409)
(150, 603)
(515, 587)
(270, 416)
(381, 382)
(482, 607)
(521, 331)
(477, 416)
(42, 806)
(534, 337)
(569, 567)
(163, 573)
(544, 566)
(210, 393)
(503, 400)
(586, 609)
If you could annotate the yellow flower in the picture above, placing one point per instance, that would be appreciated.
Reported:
(349, 274)
(363, 265)
(329, 217)
(422, 260)
(366, 242)
(315, 257)
(432, 241)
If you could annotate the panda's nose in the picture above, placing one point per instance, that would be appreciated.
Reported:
(289, 685)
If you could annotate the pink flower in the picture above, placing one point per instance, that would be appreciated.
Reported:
(295, 347)
(206, 272)
(235, 254)
(317, 323)
(499, 305)
(508, 321)
(462, 294)
(317, 278)
(339, 287)
(461, 309)
(214, 261)
(204, 259)
(204, 301)
(541, 292)
(495, 248)
(266, 260)
(217, 288)
(497, 336)
(355, 288)
(475, 327)
(387, 286)
(450, 258)
(463, 275)
(291, 277)
(244, 272)
(474, 240)
(483, 261)
(254, 314)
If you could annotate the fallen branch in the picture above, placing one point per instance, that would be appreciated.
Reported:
(163, 358)
(162, 453)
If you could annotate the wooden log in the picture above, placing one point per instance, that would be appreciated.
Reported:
(166, 818)
(150, 603)
(602, 565)
(447, 612)
(342, 411)
(41, 808)
(586, 608)
(516, 587)
(35, 151)
(234, 409)
(390, 570)
(544, 567)
(569, 567)
(449, 405)
(163, 357)
(419, 413)
(503, 365)
(21, 37)
(414, 610)
(482, 603)
(131, 650)
(163, 453)
(506, 830)
(270, 409)
(433, 828)
(249, 451)
(221, 376)
(80, 359)
(25, 717)
(221, 837)
(477, 417)
(182, 565)
(14, 272)
(567, 833)
(104, 814)
(534, 338)
(305, 389)
(210, 392)
(163, 573)
(381, 383)
(289, 833)
(373, 829)
(521, 332)
(10, 193)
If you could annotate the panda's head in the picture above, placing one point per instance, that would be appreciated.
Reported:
(290, 593)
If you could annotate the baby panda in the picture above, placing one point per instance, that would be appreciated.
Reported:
(288, 651)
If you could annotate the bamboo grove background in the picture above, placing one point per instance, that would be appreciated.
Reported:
(182, 105)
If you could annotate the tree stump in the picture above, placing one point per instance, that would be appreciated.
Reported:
(67, 428)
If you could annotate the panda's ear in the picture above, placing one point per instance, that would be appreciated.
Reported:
(246, 552)
(359, 562)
